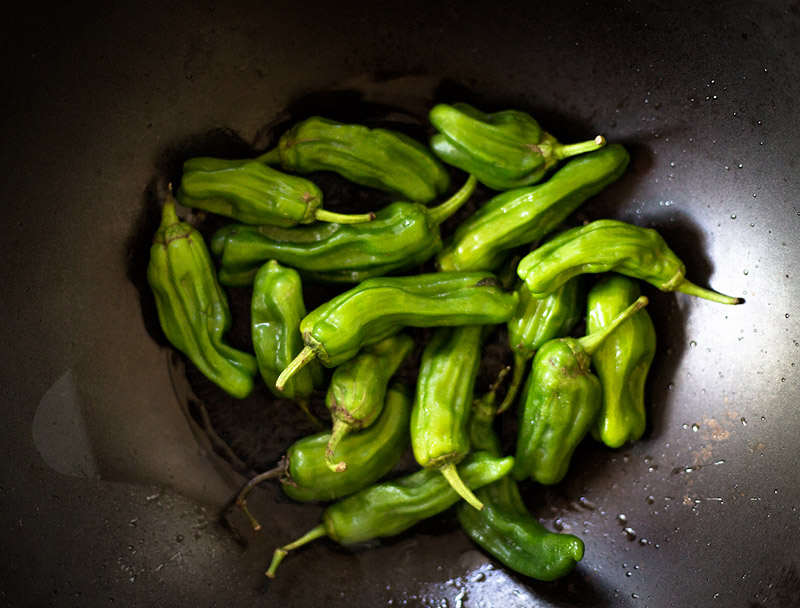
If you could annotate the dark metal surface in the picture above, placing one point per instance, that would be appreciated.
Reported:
(109, 492)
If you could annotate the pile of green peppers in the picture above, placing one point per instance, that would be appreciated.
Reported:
(433, 278)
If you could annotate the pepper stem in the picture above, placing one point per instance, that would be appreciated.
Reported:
(298, 363)
(707, 294)
(340, 429)
(271, 157)
(322, 215)
(593, 341)
(441, 212)
(281, 552)
(566, 150)
(248, 487)
(451, 475)
(516, 382)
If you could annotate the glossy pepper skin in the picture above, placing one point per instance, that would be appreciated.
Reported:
(401, 236)
(445, 386)
(192, 307)
(622, 361)
(505, 528)
(378, 308)
(357, 389)
(524, 215)
(610, 246)
(378, 158)
(561, 400)
(389, 508)
(252, 193)
(276, 309)
(504, 150)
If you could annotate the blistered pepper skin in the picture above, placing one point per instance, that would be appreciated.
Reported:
(621, 362)
(504, 150)
(377, 158)
(192, 307)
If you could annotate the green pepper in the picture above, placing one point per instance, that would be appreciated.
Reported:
(192, 307)
(605, 246)
(445, 386)
(252, 193)
(561, 401)
(622, 361)
(372, 453)
(538, 320)
(505, 527)
(378, 158)
(524, 215)
(392, 507)
(378, 308)
(357, 389)
(504, 150)
(276, 310)
(401, 236)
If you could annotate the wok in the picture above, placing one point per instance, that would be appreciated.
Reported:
(113, 478)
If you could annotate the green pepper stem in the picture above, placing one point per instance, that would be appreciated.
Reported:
(563, 151)
(241, 501)
(707, 294)
(593, 341)
(298, 363)
(281, 552)
(451, 475)
(271, 157)
(322, 215)
(441, 212)
(340, 429)
(516, 382)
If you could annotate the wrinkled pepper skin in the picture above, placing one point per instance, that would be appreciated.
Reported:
(377, 158)
(192, 307)
(402, 236)
(392, 507)
(357, 389)
(505, 528)
(378, 308)
(622, 361)
(524, 215)
(276, 309)
(561, 400)
(252, 193)
(609, 246)
(445, 385)
(504, 150)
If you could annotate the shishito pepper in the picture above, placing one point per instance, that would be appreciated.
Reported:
(378, 308)
(252, 193)
(192, 307)
(401, 236)
(524, 215)
(622, 361)
(445, 386)
(371, 453)
(560, 402)
(378, 158)
(276, 309)
(606, 246)
(392, 507)
(505, 528)
(357, 389)
(504, 150)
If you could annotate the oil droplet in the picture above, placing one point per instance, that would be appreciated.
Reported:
(695, 427)
(740, 165)
(733, 216)
(692, 344)
(670, 386)
(635, 596)
(629, 533)
(651, 499)
(629, 573)
(746, 272)
(622, 519)
(786, 315)
(643, 542)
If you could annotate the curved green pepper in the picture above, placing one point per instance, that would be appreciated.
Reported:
(392, 507)
(377, 158)
(252, 193)
(561, 402)
(378, 308)
(372, 453)
(192, 307)
(445, 386)
(524, 215)
(357, 389)
(401, 236)
(610, 245)
(622, 361)
(505, 527)
(276, 310)
(504, 150)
